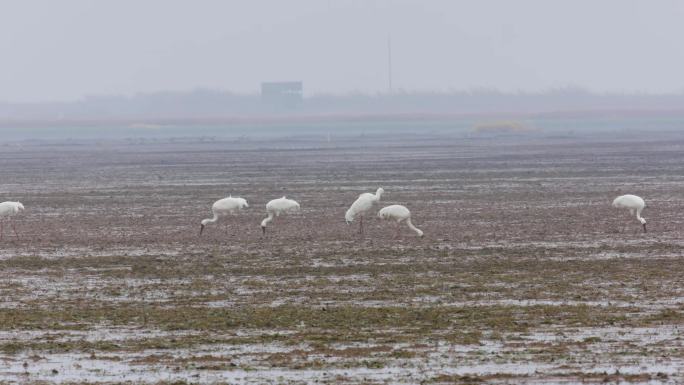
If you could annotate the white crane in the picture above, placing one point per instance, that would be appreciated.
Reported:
(276, 207)
(361, 205)
(634, 204)
(399, 213)
(223, 207)
(9, 210)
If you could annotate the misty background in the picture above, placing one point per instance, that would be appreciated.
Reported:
(175, 59)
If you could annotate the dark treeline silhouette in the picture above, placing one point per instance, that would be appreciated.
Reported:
(210, 104)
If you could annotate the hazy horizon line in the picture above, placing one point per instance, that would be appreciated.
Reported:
(482, 90)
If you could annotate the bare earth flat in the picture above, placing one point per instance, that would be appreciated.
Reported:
(526, 274)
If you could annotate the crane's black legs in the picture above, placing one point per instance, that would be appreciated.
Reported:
(361, 224)
(17, 235)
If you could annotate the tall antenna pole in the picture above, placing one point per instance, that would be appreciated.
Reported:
(389, 62)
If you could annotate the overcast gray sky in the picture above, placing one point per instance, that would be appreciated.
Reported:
(63, 50)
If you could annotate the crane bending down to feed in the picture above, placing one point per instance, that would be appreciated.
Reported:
(8, 210)
(276, 207)
(634, 204)
(361, 206)
(224, 207)
(399, 213)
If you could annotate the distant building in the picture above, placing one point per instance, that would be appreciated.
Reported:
(282, 95)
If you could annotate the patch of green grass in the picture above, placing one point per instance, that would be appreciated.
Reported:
(350, 319)
(591, 340)
(403, 354)
(667, 315)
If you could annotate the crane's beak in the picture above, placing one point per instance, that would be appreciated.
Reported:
(644, 227)
(201, 229)
(263, 230)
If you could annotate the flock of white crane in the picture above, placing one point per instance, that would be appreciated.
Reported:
(364, 203)
(361, 206)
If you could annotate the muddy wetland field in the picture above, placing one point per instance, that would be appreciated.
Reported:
(526, 274)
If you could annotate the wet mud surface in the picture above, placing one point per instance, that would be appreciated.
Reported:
(526, 274)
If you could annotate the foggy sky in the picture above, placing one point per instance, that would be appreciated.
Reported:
(64, 50)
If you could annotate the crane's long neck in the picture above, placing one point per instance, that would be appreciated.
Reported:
(207, 221)
(266, 220)
(414, 228)
(638, 215)
(377, 196)
(211, 220)
(641, 219)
